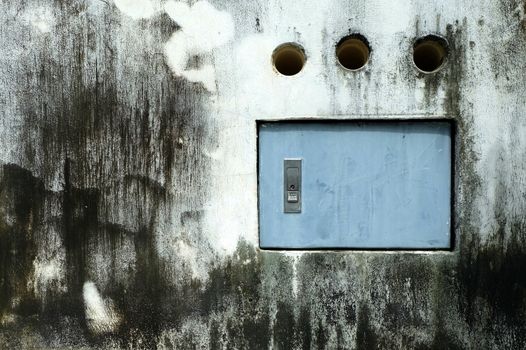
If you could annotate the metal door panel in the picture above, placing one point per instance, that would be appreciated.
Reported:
(364, 185)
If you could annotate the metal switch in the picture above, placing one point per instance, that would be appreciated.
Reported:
(292, 185)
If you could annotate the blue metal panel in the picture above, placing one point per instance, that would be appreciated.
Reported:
(364, 185)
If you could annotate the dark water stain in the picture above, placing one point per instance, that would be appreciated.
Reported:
(145, 306)
(489, 274)
(322, 337)
(84, 233)
(442, 339)
(455, 35)
(236, 282)
(21, 209)
(80, 129)
(80, 218)
(492, 276)
(365, 334)
(432, 81)
(514, 11)
(150, 304)
(284, 327)
(506, 53)
(164, 24)
(215, 336)
(255, 332)
(303, 330)
(409, 275)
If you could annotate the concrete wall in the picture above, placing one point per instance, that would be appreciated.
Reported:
(128, 205)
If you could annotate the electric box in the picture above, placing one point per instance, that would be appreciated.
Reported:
(355, 184)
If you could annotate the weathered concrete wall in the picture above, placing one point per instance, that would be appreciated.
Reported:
(128, 207)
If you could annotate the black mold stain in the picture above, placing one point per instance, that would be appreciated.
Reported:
(455, 70)
(107, 152)
(489, 275)
(215, 335)
(80, 219)
(284, 327)
(321, 336)
(145, 307)
(443, 339)
(166, 26)
(150, 304)
(507, 53)
(409, 275)
(237, 283)
(451, 71)
(492, 276)
(21, 207)
(303, 329)
(365, 335)
(255, 332)
(515, 12)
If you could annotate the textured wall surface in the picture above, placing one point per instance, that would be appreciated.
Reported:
(128, 207)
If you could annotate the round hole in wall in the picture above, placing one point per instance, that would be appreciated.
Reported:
(289, 59)
(429, 53)
(353, 52)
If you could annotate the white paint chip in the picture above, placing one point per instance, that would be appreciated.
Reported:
(203, 28)
(206, 26)
(46, 273)
(101, 316)
(138, 9)
(41, 18)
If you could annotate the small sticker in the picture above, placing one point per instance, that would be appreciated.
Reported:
(292, 196)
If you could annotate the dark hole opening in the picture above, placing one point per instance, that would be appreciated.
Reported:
(288, 59)
(353, 52)
(429, 53)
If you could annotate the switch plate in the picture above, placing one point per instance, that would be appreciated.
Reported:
(292, 185)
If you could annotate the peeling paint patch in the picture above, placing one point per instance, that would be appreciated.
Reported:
(138, 9)
(101, 316)
(48, 272)
(41, 18)
(196, 39)
(203, 28)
